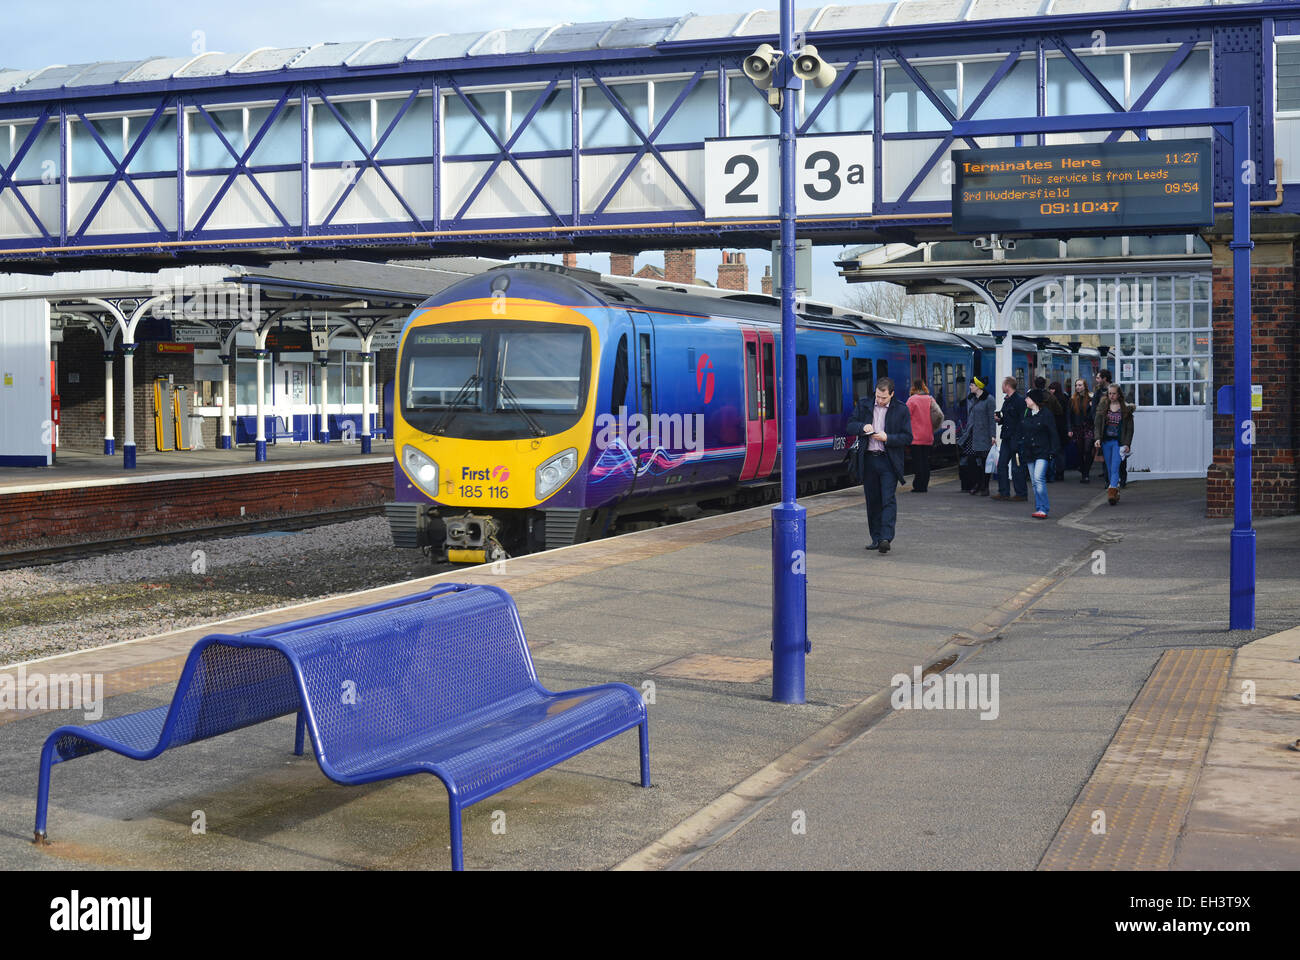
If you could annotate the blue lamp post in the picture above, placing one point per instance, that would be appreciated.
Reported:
(783, 72)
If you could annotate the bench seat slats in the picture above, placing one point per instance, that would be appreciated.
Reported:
(528, 735)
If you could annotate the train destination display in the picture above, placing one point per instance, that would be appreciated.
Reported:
(1083, 186)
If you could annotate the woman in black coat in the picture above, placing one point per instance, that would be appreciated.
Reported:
(1039, 441)
(1060, 412)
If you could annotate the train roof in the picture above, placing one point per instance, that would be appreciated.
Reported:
(709, 301)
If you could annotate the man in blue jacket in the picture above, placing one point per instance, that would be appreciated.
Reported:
(884, 431)
(1011, 416)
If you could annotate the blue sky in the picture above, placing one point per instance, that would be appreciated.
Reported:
(84, 31)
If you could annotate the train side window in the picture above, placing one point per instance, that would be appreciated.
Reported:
(1021, 383)
(647, 379)
(830, 385)
(751, 379)
(861, 378)
(951, 393)
(882, 370)
(801, 384)
(618, 388)
(936, 381)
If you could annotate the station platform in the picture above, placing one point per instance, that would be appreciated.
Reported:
(89, 496)
(1119, 689)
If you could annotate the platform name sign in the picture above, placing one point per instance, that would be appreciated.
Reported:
(742, 176)
(1061, 190)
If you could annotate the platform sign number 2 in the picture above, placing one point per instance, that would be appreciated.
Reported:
(742, 177)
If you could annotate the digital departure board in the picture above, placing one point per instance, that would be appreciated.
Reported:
(1082, 187)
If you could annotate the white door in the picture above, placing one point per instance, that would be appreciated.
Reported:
(1171, 443)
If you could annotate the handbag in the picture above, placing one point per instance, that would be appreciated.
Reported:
(855, 462)
(936, 414)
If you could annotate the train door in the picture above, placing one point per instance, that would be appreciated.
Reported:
(753, 404)
(644, 337)
(768, 398)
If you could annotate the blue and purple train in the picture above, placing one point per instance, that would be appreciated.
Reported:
(538, 406)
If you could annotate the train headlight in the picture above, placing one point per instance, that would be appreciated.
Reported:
(552, 474)
(421, 469)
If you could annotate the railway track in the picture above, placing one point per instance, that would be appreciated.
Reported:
(43, 556)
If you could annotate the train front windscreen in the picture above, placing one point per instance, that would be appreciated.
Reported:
(495, 380)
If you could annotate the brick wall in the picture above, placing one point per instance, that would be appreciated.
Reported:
(733, 272)
(679, 266)
(1275, 366)
(765, 282)
(48, 518)
(81, 424)
(620, 264)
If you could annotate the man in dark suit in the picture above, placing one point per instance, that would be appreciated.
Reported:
(883, 427)
(1010, 418)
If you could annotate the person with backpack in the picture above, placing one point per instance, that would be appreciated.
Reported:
(926, 416)
(976, 438)
(1011, 468)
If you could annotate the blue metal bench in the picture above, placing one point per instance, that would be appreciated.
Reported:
(440, 682)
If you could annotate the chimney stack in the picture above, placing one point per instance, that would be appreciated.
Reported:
(733, 272)
(620, 264)
(679, 266)
(765, 282)
(570, 260)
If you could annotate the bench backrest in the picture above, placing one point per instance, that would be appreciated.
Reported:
(226, 687)
(380, 678)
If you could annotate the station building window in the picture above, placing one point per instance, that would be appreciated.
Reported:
(44, 149)
(851, 109)
(697, 117)
(602, 123)
(748, 114)
(1158, 328)
(907, 109)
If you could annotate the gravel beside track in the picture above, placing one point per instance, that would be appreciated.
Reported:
(135, 593)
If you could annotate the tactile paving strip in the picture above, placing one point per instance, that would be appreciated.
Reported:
(1144, 783)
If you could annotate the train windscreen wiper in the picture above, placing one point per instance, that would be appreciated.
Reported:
(461, 395)
(509, 394)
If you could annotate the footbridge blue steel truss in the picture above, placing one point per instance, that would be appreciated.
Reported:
(588, 136)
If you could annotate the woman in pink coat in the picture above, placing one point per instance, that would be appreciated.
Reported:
(926, 415)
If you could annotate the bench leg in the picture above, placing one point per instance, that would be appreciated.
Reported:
(645, 752)
(43, 791)
(457, 849)
(298, 735)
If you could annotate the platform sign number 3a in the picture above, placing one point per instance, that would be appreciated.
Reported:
(742, 177)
